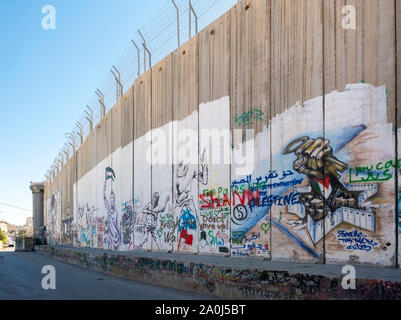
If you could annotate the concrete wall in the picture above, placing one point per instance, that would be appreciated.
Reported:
(321, 102)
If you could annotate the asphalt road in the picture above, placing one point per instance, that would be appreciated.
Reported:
(21, 278)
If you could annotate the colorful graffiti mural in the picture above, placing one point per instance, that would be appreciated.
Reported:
(214, 189)
(310, 184)
(326, 202)
(186, 204)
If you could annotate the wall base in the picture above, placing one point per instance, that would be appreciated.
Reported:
(229, 282)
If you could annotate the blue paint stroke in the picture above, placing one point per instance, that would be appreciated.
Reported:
(344, 135)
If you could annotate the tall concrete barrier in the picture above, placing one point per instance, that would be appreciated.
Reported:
(271, 134)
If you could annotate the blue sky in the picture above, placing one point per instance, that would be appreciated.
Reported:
(47, 77)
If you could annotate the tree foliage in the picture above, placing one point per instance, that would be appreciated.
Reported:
(3, 236)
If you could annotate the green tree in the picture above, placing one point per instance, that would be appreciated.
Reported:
(3, 236)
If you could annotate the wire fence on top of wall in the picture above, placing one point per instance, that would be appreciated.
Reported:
(173, 24)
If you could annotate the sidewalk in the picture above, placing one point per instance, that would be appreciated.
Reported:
(234, 278)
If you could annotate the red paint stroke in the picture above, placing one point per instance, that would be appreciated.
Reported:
(246, 197)
(187, 237)
(325, 183)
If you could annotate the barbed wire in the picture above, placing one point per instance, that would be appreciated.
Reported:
(161, 37)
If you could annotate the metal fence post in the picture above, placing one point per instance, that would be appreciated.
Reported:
(52, 170)
(61, 156)
(119, 86)
(55, 167)
(81, 131)
(67, 152)
(89, 117)
(139, 56)
(101, 101)
(191, 10)
(178, 23)
(61, 162)
(72, 137)
(146, 50)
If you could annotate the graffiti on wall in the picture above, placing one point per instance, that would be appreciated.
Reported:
(53, 218)
(326, 202)
(251, 198)
(166, 229)
(67, 227)
(308, 184)
(185, 203)
(355, 240)
(91, 226)
(399, 196)
(86, 227)
(214, 223)
(113, 240)
(128, 221)
(247, 118)
(346, 179)
(315, 185)
(144, 226)
(151, 212)
(214, 192)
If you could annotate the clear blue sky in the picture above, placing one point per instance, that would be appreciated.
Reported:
(47, 77)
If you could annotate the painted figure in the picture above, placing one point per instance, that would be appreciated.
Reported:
(185, 178)
(112, 214)
(186, 228)
(128, 223)
(185, 203)
(152, 211)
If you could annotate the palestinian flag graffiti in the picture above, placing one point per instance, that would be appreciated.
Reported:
(110, 174)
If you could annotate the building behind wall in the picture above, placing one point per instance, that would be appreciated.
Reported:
(4, 226)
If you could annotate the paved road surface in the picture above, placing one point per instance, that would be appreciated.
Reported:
(21, 278)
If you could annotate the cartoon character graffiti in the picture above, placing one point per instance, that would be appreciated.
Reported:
(186, 226)
(151, 212)
(184, 199)
(112, 214)
(327, 201)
